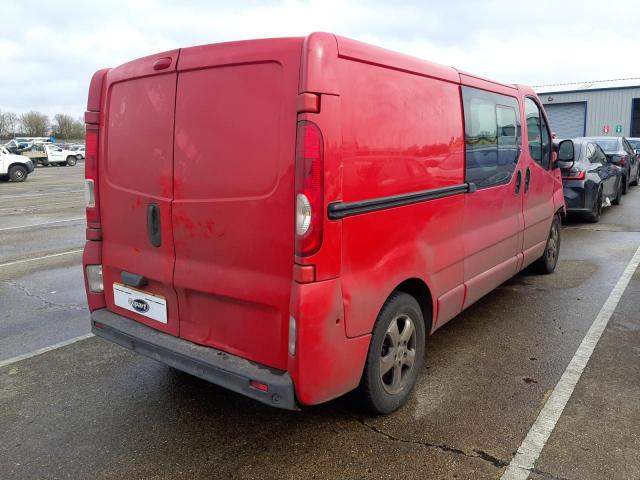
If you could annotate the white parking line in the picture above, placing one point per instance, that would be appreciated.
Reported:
(24, 356)
(17, 262)
(29, 195)
(531, 447)
(69, 220)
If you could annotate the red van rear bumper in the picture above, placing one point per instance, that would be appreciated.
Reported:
(215, 366)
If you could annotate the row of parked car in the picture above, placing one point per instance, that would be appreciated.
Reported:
(19, 157)
(601, 172)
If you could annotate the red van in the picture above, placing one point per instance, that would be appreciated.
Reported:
(290, 218)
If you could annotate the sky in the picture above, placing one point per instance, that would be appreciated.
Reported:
(49, 50)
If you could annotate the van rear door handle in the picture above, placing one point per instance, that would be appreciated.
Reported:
(133, 279)
(527, 179)
(518, 181)
(153, 225)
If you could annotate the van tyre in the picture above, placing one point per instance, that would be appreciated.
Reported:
(18, 173)
(547, 263)
(396, 355)
(594, 215)
(71, 160)
(625, 185)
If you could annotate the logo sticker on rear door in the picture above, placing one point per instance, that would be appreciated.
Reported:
(139, 305)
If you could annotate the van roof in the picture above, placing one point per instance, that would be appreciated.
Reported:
(367, 53)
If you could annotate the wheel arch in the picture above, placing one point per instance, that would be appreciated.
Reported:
(17, 164)
(419, 290)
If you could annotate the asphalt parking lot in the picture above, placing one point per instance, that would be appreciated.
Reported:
(91, 409)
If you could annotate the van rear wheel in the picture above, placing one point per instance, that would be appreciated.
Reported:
(547, 263)
(71, 160)
(396, 355)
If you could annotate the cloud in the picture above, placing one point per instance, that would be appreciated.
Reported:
(48, 58)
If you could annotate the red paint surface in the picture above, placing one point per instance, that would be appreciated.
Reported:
(211, 140)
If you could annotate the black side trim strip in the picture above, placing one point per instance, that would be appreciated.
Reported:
(339, 210)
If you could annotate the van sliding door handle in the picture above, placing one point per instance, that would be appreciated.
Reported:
(153, 225)
(527, 179)
(518, 181)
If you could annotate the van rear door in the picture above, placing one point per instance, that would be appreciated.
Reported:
(136, 190)
(233, 213)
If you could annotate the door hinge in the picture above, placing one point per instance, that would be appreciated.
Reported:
(308, 102)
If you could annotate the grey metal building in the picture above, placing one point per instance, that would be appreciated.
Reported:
(603, 107)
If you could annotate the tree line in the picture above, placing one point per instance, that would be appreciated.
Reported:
(37, 124)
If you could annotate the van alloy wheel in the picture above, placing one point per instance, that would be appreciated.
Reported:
(549, 260)
(398, 354)
(552, 244)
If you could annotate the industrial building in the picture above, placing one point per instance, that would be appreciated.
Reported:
(602, 107)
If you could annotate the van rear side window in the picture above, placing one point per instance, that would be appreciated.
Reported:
(492, 136)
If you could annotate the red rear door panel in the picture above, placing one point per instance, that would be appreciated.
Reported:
(233, 210)
(136, 169)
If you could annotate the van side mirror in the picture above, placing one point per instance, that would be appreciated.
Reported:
(566, 152)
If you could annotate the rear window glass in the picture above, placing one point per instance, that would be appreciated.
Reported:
(608, 144)
(492, 137)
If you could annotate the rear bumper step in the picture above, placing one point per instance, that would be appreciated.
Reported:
(215, 366)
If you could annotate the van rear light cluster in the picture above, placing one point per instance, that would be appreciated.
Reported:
(91, 176)
(94, 278)
(89, 193)
(309, 187)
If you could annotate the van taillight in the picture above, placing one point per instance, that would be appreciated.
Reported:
(309, 199)
(623, 160)
(91, 178)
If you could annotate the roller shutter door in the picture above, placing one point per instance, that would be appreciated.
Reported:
(567, 119)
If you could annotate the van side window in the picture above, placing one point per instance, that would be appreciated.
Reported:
(492, 136)
(537, 134)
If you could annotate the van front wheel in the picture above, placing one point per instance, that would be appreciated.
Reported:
(396, 355)
(547, 263)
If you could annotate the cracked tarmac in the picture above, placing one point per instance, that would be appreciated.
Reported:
(95, 410)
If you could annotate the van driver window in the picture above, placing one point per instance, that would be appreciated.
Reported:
(537, 134)
(492, 137)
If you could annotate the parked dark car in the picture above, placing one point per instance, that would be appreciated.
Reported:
(620, 152)
(590, 181)
(635, 143)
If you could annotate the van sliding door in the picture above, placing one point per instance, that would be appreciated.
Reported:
(493, 217)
